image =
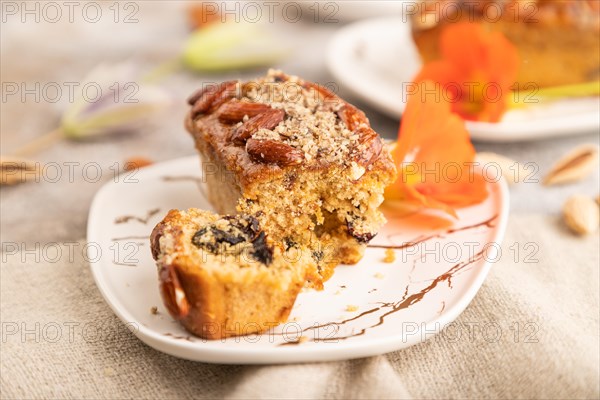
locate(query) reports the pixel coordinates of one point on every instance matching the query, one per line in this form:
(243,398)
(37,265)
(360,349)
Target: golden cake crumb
(302,339)
(378,275)
(390,256)
(351,308)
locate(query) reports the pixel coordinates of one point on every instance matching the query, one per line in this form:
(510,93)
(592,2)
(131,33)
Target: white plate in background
(424,289)
(328,11)
(375,59)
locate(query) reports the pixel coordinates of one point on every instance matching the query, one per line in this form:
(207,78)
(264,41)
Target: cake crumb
(302,339)
(153,310)
(351,308)
(108,371)
(390,256)
(378,275)
(338,292)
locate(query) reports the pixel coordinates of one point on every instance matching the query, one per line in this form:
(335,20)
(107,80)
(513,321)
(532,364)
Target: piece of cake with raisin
(221,276)
(300,159)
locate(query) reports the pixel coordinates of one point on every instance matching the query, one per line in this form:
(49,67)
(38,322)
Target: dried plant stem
(39,143)
(162,71)
(587,89)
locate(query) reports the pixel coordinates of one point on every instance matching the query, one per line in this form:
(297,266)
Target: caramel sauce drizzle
(117,239)
(421,239)
(198,181)
(182,178)
(144,220)
(405,302)
(188,337)
(409,300)
(124,264)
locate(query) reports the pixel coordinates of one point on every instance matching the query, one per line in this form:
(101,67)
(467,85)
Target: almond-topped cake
(302,161)
(222,276)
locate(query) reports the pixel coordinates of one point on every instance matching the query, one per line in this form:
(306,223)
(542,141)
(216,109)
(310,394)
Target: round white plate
(329,11)
(376,59)
(366,309)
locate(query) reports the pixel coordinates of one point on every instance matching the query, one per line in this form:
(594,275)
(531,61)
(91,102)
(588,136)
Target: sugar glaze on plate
(366,309)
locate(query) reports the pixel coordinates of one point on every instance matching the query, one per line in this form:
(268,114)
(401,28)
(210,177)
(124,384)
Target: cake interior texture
(302,161)
(222,276)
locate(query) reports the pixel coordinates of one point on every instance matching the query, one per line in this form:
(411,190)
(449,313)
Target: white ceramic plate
(333,11)
(428,285)
(376,59)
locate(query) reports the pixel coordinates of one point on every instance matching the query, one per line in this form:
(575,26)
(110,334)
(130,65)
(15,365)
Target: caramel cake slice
(302,161)
(557,40)
(221,276)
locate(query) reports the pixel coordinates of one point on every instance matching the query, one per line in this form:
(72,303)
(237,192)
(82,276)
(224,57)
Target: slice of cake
(302,161)
(557,40)
(222,276)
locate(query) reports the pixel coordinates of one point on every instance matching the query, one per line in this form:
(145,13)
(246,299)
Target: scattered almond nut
(574,166)
(136,163)
(17,170)
(199,16)
(581,214)
(511,170)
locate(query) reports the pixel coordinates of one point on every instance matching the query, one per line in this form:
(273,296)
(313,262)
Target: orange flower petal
(477,70)
(435,156)
(463,193)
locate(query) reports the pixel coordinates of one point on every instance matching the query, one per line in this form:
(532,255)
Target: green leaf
(230,46)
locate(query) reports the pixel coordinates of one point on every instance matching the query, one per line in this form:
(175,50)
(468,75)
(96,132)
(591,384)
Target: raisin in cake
(221,276)
(301,160)
(557,40)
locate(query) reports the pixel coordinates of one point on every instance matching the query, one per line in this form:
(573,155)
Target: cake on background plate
(557,40)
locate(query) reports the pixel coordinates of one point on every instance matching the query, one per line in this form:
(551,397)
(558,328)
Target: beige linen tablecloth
(61,340)
(553,299)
